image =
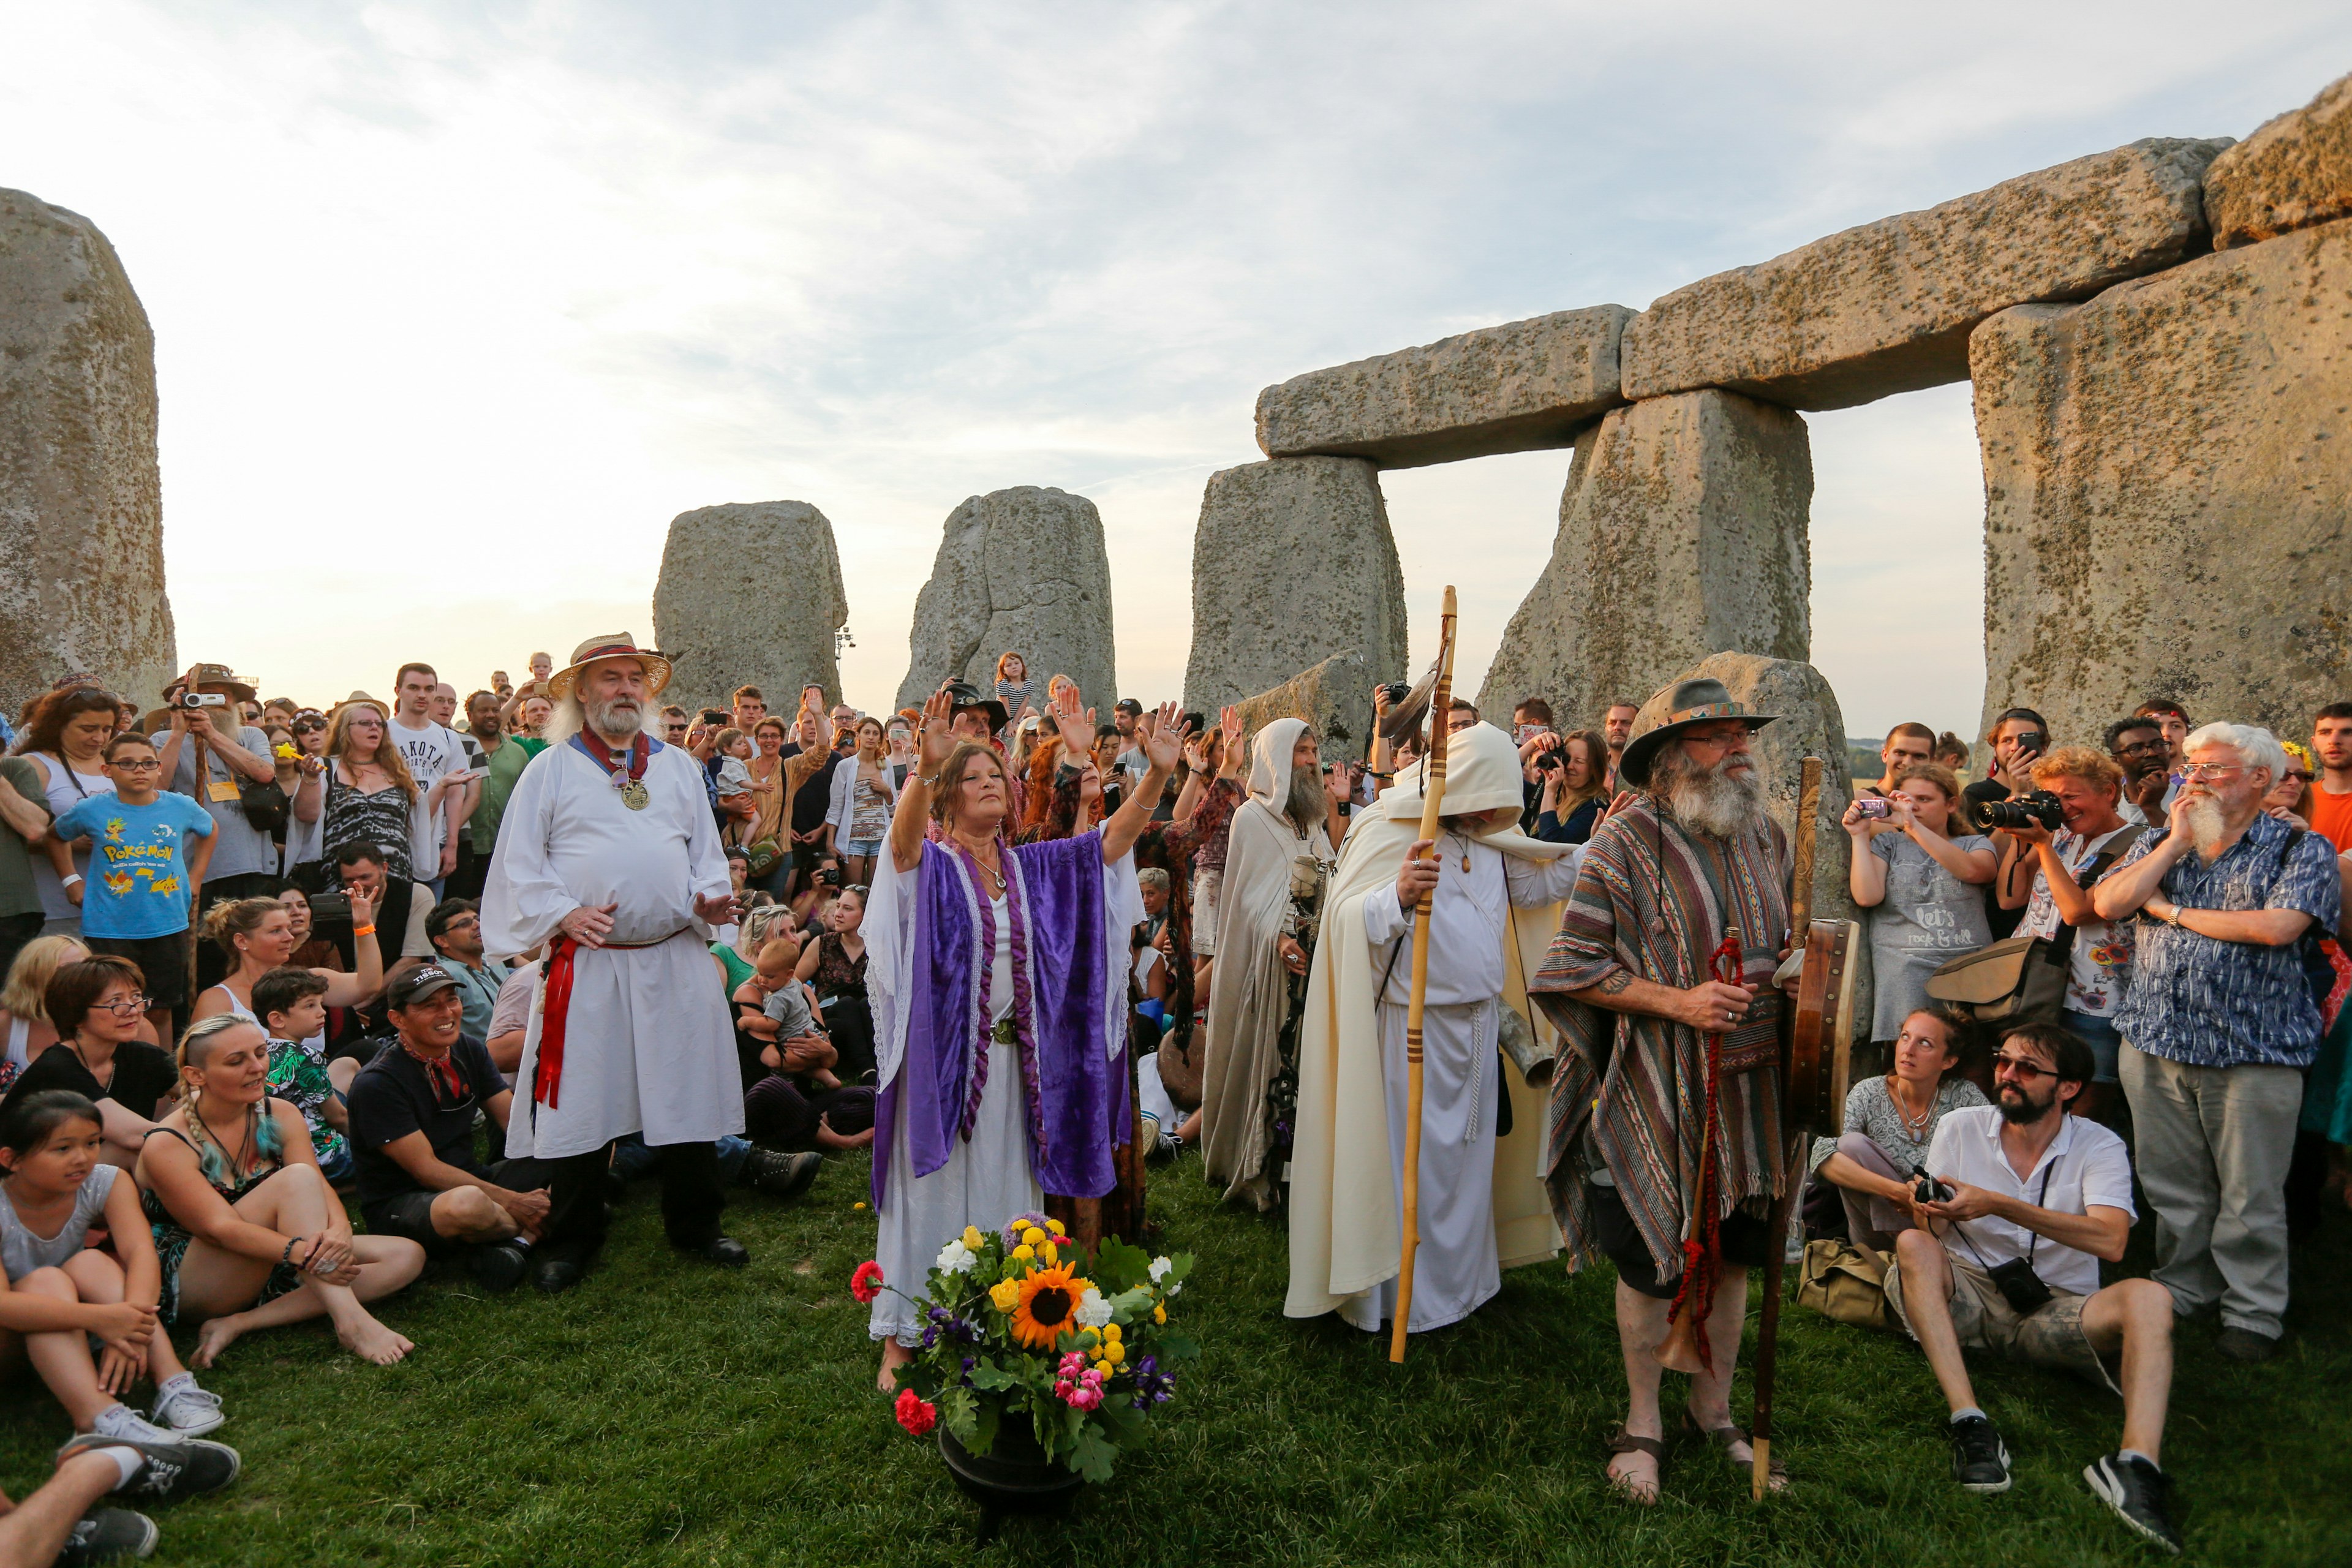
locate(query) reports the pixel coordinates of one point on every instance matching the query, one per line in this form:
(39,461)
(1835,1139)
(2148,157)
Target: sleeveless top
(836,974)
(23,1249)
(66,788)
(382,820)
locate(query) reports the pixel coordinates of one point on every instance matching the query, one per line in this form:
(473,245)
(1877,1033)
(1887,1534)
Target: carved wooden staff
(1441,705)
(1768,1331)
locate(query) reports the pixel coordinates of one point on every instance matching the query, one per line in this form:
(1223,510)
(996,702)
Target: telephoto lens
(2039,809)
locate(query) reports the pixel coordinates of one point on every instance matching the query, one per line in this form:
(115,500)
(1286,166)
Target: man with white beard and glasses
(1666,882)
(608,854)
(1267,914)
(2221,1022)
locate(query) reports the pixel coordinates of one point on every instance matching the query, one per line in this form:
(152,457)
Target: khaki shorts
(1205,885)
(2051,1335)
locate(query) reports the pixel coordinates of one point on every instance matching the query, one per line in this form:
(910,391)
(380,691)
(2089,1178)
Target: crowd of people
(269,966)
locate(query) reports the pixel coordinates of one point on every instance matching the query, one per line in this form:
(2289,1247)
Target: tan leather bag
(1844,1283)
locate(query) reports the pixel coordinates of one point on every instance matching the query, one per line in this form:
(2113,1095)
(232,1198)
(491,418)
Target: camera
(1395,691)
(2039,809)
(2020,1286)
(200,700)
(1925,1189)
(1549,762)
(1872,809)
(828,877)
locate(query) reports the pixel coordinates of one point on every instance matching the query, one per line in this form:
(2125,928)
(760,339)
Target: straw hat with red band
(612,645)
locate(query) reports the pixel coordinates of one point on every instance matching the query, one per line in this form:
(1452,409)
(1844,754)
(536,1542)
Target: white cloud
(461,304)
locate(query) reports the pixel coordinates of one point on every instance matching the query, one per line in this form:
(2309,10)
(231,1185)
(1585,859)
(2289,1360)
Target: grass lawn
(665,1412)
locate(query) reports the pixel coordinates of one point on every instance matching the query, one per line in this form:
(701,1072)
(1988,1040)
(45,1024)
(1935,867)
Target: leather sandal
(1624,1442)
(1724,1437)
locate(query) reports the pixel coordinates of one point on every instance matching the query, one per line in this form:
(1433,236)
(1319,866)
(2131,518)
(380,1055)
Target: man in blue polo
(2221,1022)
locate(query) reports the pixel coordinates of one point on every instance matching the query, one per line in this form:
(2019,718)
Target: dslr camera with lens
(2038,809)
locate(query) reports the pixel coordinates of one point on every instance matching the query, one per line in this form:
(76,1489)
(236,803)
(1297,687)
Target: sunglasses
(2024,1068)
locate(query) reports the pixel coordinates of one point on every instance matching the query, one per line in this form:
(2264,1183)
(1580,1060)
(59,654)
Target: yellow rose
(1005,1294)
(1033,1237)
(1158,1313)
(971,1237)
(1112,1334)
(1114,1352)
(1022,1254)
(1056,1227)
(1103,1367)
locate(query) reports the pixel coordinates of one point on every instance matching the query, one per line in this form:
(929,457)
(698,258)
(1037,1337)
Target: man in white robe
(1288,817)
(1481,1207)
(608,854)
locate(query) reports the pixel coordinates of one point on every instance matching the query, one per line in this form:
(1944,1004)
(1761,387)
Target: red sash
(555,1009)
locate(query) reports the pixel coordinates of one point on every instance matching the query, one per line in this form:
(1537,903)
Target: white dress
(649,1044)
(1457,1269)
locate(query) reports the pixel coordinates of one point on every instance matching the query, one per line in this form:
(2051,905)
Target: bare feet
(894,1356)
(371,1341)
(1635,1474)
(215,1336)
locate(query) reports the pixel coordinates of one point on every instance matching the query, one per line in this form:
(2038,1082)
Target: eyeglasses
(1733,741)
(137,765)
(126,1006)
(2024,1068)
(2211,770)
(2139,749)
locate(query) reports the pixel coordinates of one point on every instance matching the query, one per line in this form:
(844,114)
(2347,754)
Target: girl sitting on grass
(60,1294)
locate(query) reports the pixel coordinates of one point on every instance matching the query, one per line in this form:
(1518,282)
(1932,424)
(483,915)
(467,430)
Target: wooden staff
(1767,1332)
(1440,706)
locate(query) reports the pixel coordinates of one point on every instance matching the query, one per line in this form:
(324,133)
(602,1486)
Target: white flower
(955,1257)
(1093,1312)
(1160,1268)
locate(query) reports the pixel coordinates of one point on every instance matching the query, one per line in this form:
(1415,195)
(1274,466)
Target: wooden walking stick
(1441,705)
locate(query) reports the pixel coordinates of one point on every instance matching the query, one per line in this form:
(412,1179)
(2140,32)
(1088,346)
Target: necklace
(1914,1126)
(1465,848)
(993,873)
(74,1046)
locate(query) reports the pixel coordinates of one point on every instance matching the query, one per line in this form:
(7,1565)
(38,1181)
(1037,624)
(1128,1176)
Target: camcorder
(201,700)
(2039,808)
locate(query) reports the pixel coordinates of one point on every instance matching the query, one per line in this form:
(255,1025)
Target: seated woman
(259,935)
(835,965)
(24,1027)
(61,1294)
(1889,1122)
(248,1232)
(99,1007)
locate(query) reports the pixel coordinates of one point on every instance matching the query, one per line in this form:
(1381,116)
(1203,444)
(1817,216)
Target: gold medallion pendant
(634,795)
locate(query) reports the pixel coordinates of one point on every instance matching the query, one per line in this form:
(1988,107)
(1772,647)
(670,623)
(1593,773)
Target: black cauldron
(1014,1476)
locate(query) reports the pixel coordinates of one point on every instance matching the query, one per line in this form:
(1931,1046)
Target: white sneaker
(121,1421)
(189,1411)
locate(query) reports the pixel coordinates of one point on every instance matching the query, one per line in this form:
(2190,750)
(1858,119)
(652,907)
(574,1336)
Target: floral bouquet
(1020,1324)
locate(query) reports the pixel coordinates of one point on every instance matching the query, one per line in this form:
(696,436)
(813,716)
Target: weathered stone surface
(1334,697)
(1292,563)
(2167,492)
(1022,569)
(1682,532)
(2292,173)
(1520,387)
(81,509)
(1888,307)
(750,594)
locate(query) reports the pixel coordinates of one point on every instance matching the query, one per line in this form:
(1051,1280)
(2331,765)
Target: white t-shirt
(430,751)
(2086,1166)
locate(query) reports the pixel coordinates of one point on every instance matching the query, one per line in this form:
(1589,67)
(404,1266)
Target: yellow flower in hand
(971,1237)
(1022,1254)
(1056,1227)
(1158,1312)
(1033,1237)
(1112,1334)
(1005,1294)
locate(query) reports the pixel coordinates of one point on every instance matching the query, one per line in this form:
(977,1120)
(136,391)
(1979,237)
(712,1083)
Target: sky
(456,306)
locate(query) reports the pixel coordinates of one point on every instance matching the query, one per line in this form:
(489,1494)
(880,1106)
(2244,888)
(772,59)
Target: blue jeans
(2099,1034)
(632,1158)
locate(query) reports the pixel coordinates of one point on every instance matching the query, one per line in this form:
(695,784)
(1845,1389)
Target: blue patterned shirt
(2207,1003)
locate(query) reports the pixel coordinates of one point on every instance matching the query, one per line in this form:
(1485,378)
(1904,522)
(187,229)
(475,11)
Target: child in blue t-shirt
(142,869)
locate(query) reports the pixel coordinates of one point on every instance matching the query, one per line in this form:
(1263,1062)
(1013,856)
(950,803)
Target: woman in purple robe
(998,980)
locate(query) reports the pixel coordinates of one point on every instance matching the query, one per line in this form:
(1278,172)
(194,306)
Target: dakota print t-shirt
(138,883)
(430,752)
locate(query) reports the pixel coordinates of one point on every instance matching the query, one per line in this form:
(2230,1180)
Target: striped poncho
(1630,1089)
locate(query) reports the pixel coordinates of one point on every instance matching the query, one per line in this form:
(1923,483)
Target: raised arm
(915,800)
(1161,741)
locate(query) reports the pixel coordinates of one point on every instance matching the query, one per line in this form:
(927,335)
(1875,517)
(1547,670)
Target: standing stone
(2294,173)
(1683,530)
(1888,307)
(1022,569)
(750,594)
(1523,386)
(81,506)
(1292,563)
(1810,725)
(2168,484)
(1334,697)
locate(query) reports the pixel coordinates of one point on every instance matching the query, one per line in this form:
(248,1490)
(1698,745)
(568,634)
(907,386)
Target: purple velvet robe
(1077,1092)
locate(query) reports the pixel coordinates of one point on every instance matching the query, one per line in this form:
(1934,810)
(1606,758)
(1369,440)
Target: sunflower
(1048,1307)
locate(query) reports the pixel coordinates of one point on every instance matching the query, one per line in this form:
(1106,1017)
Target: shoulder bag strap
(2062,945)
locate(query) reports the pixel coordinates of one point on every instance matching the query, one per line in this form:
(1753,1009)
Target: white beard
(1713,801)
(619,719)
(2206,826)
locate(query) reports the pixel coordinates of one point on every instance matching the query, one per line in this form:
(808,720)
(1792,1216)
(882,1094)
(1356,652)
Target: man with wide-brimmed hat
(1666,1105)
(608,855)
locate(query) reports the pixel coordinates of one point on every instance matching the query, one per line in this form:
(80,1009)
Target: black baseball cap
(415,985)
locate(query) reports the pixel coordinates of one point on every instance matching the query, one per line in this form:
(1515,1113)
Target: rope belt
(555,1007)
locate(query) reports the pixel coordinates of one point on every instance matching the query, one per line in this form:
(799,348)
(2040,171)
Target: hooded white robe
(1482,1202)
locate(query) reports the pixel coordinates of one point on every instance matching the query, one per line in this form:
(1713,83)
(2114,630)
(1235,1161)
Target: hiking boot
(189,1411)
(103,1534)
(2139,1493)
(1979,1458)
(500,1266)
(173,1470)
(2245,1346)
(779,1175)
